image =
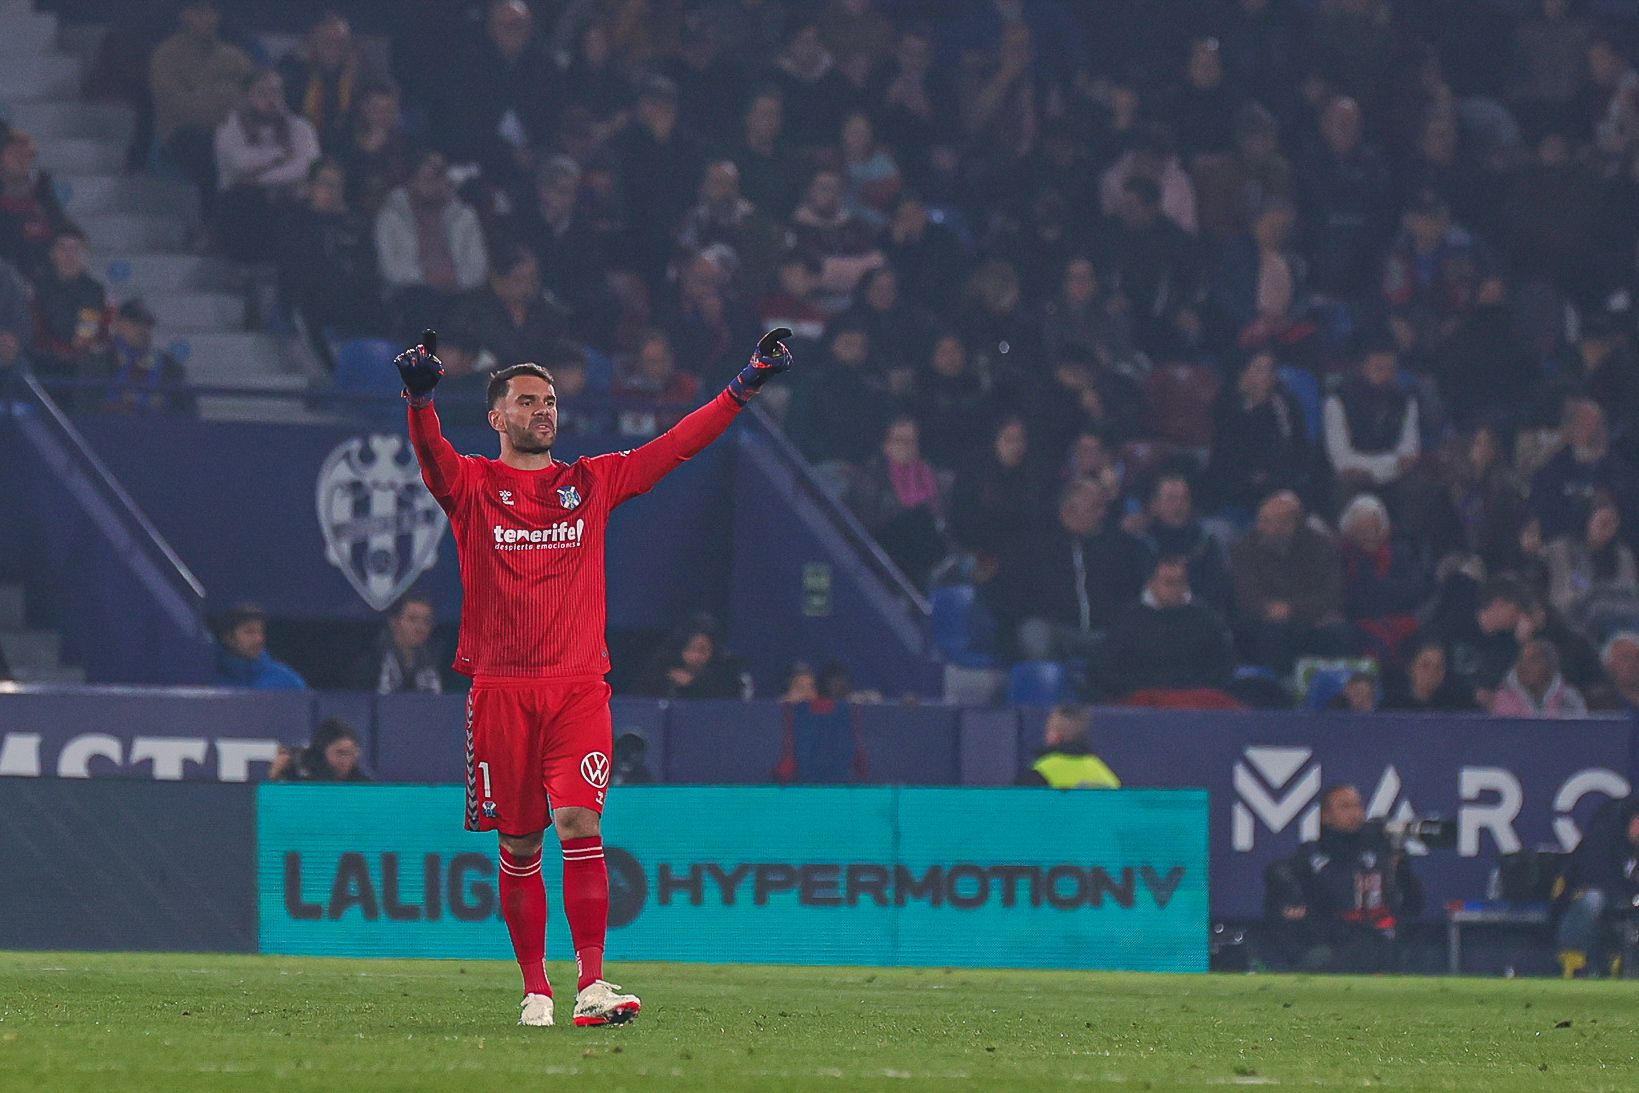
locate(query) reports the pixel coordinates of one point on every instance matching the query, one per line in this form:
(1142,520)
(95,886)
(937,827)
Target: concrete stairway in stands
(142,229)
(35,656)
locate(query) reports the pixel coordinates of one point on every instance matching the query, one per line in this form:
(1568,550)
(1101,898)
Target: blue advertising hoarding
(873,876)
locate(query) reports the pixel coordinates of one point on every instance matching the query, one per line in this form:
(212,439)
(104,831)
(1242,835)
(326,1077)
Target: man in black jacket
(1065,586)
(1340,902)
(1168,640)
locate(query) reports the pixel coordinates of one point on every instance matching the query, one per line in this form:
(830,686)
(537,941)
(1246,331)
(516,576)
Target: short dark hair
(237,615)
(499,379)
(407,599)
(1333,790)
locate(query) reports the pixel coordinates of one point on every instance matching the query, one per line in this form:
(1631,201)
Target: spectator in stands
(1260,291)
(929,258)
(801,683)
(263,155)
(1169,649)
(1260,442)
(723,218)
(242,657)
(705,320)
(375,151)
(840,409)
(1385,578)
(504,104)
(1232,187)
(1288,586)
(568,249)
(1066,760)
(1343,186)
(630,765)
(1620,658)
(901,500)
(597,83)
(16,316)
(817,97)
(950,403)
(653,375)
(327,262)
(324,78)
(1616,83)
(1484,640)
(429,246)
(900,333)
(1342,902)
(1593,581)
(196,79)
(1427,688)
(1603,878)
(1552,49)
(1535,688)
(133,376)
(998,494)
(1431,277)
(660,165)
(30,214)
(510,318)
(1481,508)
(825,227)
(1372,433)
(332,756)
(692,664)
(871,174)
(1068,582)
(1359,694)
(1561,490)
(1202,111)
(71,310)
(1154,261)
(1170,191)
(771,177)
(1169,527)
(1000,333)
(402,659)
(1083,314)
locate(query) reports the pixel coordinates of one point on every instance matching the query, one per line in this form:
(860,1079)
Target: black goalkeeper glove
(771,358)
(420,369)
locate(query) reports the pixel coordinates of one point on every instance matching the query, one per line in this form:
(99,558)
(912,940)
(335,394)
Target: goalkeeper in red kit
(529,534)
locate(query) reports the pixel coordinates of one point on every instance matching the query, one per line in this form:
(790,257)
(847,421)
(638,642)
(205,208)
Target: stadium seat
(1037,683)
(1181,398)
(961,628)
(365,366)
(1301,384)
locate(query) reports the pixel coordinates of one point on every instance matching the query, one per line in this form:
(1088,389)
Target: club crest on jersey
(568,496)
(506,497)
(595,769)
(380,525)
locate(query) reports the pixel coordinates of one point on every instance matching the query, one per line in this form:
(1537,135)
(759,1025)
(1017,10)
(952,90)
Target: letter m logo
(1270,790)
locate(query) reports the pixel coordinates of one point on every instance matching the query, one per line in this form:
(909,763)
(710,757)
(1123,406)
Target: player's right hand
(420,368)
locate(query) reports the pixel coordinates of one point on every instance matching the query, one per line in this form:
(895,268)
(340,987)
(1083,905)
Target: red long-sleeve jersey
(530,543)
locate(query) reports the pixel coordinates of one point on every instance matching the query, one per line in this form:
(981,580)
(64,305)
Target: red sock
(586,902)
(523,905)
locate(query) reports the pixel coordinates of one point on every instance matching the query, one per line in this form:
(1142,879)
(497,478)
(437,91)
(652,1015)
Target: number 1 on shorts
(485,768)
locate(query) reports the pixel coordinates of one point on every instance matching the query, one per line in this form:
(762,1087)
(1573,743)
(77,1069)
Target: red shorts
(535,745)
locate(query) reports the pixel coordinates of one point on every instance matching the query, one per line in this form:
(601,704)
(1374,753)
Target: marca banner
(871,876)
(1507,785)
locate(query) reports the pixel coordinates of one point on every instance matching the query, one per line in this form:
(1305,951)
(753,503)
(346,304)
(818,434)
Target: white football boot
(537,1010)
(601,1003)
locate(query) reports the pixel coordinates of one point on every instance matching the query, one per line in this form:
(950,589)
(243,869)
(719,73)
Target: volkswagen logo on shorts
(595,769)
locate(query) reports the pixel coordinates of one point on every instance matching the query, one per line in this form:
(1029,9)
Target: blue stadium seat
(365,366)
(1037,683)
(962,631)
(1302,385)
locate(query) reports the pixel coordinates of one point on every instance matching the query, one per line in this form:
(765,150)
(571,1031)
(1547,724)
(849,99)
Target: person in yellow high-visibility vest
(1066,760)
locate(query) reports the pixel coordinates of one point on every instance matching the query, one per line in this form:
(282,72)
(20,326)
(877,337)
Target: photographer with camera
(1339,903)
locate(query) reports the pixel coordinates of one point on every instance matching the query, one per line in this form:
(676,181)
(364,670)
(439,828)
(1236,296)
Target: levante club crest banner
(944,877)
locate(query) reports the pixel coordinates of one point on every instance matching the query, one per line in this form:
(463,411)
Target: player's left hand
(771,357)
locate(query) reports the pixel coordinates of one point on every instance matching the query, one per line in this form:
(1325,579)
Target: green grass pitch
(75,1021)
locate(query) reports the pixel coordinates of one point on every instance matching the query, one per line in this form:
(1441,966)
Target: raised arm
(441,465)
(635,472)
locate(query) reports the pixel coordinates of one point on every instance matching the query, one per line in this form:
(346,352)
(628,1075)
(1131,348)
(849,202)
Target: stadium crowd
(1200,346)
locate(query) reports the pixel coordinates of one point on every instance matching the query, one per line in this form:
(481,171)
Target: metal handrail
(861,539)
(174,566)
